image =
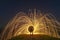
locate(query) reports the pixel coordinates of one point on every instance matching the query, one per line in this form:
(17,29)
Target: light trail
(42,23)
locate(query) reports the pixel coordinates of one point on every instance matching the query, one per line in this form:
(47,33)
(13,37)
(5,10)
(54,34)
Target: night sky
(9,9)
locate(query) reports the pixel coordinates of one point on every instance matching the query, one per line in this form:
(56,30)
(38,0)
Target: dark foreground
(34,37)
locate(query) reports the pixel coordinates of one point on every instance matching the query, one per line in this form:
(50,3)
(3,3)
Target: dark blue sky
(9,8)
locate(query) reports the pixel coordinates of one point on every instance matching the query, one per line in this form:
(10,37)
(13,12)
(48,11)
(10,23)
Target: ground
(34,37)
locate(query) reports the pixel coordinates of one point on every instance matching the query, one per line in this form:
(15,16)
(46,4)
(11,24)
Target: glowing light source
(34,22)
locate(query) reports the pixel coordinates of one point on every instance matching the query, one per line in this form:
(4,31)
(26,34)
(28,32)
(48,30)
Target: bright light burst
(45,24)
(36,22)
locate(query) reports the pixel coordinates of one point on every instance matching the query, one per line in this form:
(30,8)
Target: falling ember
(45,24)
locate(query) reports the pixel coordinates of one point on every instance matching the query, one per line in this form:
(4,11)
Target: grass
(34,37)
